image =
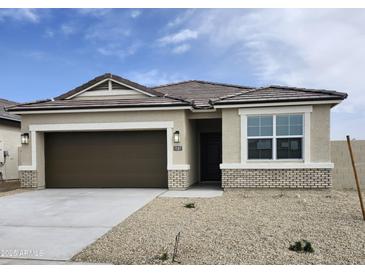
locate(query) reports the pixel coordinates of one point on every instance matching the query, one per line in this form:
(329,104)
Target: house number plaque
(177,148)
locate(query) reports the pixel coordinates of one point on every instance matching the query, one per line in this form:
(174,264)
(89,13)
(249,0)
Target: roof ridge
(203,82)
(172,84)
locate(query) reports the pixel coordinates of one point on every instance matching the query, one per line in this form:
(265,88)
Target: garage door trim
(168,125)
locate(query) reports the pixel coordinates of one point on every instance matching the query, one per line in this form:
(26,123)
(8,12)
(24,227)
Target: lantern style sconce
(24,138)
(177,137)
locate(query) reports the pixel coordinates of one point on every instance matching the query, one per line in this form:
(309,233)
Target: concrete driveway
(55,224)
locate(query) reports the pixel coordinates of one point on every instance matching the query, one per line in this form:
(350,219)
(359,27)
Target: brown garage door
(106,159)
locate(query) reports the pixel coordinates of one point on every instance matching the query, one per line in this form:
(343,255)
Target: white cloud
(135,13)
(308,48)
(181,18)
(36,55)
(49,33)
(181,48)
(68,29)
(119,51)
(181,36)
(29,15)
(154,77)
(94,12)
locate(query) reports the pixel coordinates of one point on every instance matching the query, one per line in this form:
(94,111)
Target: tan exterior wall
(231,136)
(191,148)
(10,136)
(177,116)
(320,133)
(342,175)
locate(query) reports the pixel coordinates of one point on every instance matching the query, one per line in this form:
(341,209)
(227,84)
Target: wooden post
(356,177)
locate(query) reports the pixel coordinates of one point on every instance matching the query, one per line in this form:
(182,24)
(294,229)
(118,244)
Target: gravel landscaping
(240,227)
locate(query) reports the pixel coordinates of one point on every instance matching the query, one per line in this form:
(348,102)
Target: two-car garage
(100,159)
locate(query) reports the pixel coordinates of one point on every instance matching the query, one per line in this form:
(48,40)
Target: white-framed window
(275,137)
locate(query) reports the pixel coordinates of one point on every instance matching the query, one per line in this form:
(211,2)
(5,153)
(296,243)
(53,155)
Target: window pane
(282,130)
(266,131)
(282,125)
(253,131)
(289,148)
(260,125)
(266,120)
(291,124)
(296,130)
(253,121)
(260,149)
(296,120)
(282,120)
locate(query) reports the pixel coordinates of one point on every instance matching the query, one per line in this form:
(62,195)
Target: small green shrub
(308,247)
(302,246)
(297,247)
(190,205)
(164,256)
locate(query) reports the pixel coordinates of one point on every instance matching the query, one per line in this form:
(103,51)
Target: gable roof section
(6,115)
(280,94)
(199,93)
(194,93)
(103,77)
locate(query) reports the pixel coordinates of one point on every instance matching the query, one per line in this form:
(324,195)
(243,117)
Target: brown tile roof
(195,93)
(6,115)
(198,92)
(94,104)
(280,94)
(108,76)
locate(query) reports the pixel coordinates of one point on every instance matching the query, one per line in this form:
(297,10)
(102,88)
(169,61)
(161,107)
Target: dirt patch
(240,227)
(9,185)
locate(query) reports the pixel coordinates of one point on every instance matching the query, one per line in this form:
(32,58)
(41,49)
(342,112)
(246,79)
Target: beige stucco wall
(10,136)
(320,133)
(342,175)
(187,124)
(191,149)
(177,116)
(231,136)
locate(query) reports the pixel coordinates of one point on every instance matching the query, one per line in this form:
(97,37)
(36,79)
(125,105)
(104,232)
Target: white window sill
(275,165)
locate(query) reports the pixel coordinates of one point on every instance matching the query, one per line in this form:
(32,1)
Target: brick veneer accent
(276,178)
(178,179)
(28,178)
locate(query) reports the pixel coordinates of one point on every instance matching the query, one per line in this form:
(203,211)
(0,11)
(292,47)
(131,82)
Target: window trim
(305,110)
(275,137)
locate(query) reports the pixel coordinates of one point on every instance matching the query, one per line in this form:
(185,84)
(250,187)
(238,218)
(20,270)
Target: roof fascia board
(324,102)
(99,110)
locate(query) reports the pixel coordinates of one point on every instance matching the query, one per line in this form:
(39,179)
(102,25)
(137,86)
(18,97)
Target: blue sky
(45,52)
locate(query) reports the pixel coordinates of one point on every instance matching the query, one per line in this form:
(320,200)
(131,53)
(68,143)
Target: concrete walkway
(55,224)
(196,191)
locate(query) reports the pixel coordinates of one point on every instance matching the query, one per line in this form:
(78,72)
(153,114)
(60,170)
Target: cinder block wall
(342,175)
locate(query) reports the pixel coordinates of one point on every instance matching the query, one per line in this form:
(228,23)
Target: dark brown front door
(210,156)
(106,159)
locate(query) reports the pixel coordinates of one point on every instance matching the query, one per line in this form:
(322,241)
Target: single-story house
(112,132)
(9,142)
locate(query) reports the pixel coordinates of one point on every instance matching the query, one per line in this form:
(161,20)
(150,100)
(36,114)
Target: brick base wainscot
(276,178)
(28,179)
(178,179)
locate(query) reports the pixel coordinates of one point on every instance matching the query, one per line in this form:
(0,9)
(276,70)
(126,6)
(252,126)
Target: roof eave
(24,109)
(238,102)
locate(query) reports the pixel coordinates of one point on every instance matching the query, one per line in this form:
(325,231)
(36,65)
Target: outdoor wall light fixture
(24,138)
(177,137)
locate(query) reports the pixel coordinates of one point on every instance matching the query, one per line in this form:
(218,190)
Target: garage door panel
(106,159)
